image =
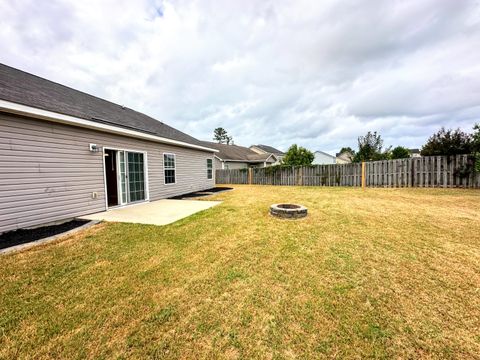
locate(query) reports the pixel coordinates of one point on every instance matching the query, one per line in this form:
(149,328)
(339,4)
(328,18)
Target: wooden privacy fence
(429,171)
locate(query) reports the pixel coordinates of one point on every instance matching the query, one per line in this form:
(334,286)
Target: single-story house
(415,153)
(65,153)
(344,157)
(266,149)
(239,157)
(322,158)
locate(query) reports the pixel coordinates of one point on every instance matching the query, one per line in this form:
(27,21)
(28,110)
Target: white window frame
(174,168)
(210,168)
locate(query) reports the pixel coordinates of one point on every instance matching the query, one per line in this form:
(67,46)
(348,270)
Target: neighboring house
(344,157)
(322,158)
(265,149)
(239,157)
(64,153)
(414,153)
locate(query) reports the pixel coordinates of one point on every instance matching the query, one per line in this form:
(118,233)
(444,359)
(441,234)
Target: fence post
(364,180)
(300,176)
(250,176)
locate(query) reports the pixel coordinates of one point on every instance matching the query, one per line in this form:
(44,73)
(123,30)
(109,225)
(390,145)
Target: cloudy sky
(315,73)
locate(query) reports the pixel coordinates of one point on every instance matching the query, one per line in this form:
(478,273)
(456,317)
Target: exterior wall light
(94,148)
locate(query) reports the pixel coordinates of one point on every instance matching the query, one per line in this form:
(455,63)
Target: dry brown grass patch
(376,273)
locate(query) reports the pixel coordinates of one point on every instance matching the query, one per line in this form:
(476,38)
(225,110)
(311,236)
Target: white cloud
(277,72)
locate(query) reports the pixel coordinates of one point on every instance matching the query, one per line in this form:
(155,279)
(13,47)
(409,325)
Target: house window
(209,169)
(169,168)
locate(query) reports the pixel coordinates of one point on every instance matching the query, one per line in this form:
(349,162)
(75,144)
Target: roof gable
(324,153)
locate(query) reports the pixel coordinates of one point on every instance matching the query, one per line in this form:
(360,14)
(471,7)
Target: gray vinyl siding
(47,172)
(218,164)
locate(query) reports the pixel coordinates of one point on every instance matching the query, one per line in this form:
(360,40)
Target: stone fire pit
(288,211)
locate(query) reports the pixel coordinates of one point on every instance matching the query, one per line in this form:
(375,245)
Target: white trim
(36,113)
(246,161)
(119,178)
(123,149)
(145,172)
(174,168)
(272,154)
(105,179)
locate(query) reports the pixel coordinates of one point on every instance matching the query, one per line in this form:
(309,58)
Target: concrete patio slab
(160,212)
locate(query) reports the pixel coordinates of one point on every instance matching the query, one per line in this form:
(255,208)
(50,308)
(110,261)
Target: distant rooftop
(235,152)
(269,149)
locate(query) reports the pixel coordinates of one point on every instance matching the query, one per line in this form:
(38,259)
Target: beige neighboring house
(266,149)
(344,157)
(239,157)
(415,153)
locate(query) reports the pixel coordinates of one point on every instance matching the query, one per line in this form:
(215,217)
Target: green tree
(476,146)
(476,138)
(350,153)
(400,152)
(370,148)
(297,156)
(220,135)
(449,142)
(347,149)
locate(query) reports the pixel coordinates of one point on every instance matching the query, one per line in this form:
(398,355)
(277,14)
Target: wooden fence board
(434,171)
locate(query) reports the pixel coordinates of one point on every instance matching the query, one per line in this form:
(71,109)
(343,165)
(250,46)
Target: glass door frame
(121,201)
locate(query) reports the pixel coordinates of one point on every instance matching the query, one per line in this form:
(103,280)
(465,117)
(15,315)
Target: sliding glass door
(131,177)
(122,177)
(136,177)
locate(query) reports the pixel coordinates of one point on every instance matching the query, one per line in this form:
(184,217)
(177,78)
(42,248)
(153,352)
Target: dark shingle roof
(269,149)
(27,89)
(235,152)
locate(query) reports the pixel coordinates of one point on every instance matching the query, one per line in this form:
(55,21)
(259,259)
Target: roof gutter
(19,109)
(244,161)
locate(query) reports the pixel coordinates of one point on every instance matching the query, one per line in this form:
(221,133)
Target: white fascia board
(245,161)
(272,155)
(36,113)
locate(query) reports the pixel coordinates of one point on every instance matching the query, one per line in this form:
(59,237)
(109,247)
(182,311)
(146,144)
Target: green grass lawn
(376,273)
